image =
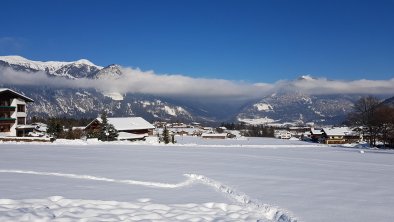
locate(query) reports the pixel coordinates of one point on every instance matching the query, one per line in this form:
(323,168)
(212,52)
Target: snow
(257,121)
(169,110)
(306,78)
(17,94)
(128,136)
(246,179)
(114,95)
(61,209)
(146,103)
(316,131)
(338,131)
(84,62)
(315,111)
(39,65)
(128,123)
(263,107)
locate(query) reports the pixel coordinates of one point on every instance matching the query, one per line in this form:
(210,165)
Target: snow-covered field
(195,180)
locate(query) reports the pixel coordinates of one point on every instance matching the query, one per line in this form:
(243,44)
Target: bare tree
(384,121)
(364,114)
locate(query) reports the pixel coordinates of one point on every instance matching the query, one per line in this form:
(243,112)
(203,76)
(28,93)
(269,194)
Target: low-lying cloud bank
(148,82)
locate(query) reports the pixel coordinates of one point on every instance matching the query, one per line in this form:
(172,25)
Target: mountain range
(286,105)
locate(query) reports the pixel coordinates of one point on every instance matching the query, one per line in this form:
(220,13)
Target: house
(129,128)
(306,136)
(282,134)
(316,134)
(339,135)
(298,131)
(13,114)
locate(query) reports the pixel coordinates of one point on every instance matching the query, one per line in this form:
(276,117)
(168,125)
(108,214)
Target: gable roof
(127,123)
(338,131)
(16,94)
(316,132)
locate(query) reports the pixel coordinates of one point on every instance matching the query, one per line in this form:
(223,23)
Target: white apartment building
(13,113)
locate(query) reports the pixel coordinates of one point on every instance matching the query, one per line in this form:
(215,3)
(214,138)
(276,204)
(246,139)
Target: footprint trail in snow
(269,212)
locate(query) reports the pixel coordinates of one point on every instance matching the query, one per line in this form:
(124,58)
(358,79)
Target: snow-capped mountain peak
(306,78)
(110,72)
(14,59)
(86,62)
(34,65)
(40,65)
(76,69)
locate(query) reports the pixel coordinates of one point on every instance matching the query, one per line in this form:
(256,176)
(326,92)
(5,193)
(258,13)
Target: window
(21,108)
(21,121)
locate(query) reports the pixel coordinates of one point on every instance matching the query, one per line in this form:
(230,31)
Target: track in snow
(269,212)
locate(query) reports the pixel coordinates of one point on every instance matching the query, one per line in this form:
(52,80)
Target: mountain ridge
(286,104)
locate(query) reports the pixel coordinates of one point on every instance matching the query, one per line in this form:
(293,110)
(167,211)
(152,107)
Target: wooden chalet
(339,135)
(128,127)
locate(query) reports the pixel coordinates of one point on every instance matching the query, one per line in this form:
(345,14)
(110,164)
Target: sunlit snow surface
(195,180)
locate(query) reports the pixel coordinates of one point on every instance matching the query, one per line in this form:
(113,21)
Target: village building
(13,114)
(306,136)
(178,125)
(339,135)
(129,128)
(298,131)
(316,134)
(282,134)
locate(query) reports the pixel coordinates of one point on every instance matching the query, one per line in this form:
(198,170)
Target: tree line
(63,127)
(66,128)
(251,130)
(374,119)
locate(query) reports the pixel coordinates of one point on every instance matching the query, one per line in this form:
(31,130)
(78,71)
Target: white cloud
(323,86)
(148,82)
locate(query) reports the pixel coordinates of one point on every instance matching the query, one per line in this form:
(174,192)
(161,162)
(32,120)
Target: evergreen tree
(107,131)
(112,133)
(166,135)
(54,128)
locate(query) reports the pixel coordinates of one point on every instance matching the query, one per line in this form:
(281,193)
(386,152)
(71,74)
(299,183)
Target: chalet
(13,114)
(306,136)
(338,135)
(316,134)
(129,128)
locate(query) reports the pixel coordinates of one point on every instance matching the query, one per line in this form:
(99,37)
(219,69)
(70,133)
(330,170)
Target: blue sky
(252,41)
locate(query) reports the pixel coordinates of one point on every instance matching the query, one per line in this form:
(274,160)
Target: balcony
(7,120)
(7,108)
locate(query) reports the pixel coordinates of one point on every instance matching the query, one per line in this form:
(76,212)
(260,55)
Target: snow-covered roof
(27,99)
(338,131)
(189,130)
(25,127)
(316,132)
(129,123)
